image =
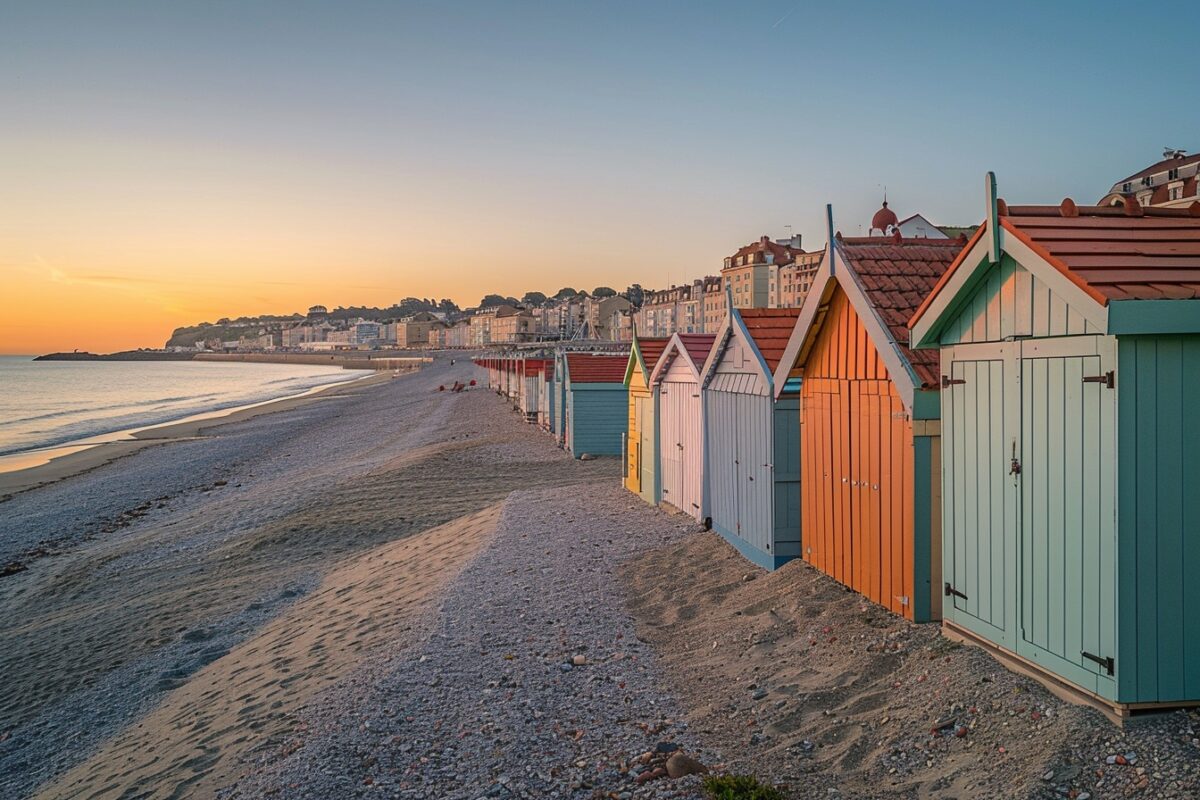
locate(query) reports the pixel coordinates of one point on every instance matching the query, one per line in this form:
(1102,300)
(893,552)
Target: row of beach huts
(995,435)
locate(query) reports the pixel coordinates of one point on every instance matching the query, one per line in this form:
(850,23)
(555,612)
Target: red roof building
(1170,183)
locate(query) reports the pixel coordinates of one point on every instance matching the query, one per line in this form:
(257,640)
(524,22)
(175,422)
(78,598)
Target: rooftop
(770,328)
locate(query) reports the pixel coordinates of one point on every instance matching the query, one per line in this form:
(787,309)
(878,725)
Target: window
(1173,174)
(1175,193)
(1126,187)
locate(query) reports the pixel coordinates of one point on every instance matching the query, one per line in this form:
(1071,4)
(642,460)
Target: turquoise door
(1067,525)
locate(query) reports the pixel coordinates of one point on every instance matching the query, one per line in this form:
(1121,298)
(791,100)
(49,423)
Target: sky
(163,164)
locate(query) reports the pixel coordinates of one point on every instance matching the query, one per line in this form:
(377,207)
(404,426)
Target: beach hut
(753,437)
(869,421)
(676,382)
(595,403)
(530,387)
(1070,359)
(641,439)
(546,390)
(558,404)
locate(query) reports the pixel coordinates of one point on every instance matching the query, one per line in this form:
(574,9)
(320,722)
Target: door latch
(1014,466)
(952,592)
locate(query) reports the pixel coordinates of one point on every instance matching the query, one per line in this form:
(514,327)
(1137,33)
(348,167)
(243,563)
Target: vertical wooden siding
(1159,519)
(596,418)
(681,433)
(1010,302)
(857,505)
(633,461)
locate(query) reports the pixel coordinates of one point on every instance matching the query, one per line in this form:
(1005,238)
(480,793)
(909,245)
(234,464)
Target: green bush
(739,787)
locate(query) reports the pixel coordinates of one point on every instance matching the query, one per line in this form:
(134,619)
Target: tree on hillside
(603,291)
(564,293)
(533,298)
(491,300)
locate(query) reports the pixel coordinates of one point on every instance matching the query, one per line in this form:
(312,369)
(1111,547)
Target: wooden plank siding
(859,502)
(1012,302)
(634,454)
(596,415)
(1158,555)
(681,439)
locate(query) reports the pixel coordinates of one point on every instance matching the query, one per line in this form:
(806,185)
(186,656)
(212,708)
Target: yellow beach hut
(641,440)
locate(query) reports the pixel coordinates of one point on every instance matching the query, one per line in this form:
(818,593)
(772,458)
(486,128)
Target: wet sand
(150,577)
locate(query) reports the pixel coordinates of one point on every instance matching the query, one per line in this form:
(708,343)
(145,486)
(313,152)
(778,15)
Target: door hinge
(1109,379)
(952,592)
(948,381)
(1106,662)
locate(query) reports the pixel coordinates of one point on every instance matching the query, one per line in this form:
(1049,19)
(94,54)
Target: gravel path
(489,705)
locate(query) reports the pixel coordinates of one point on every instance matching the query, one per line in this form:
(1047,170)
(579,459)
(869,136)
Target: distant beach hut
(558,405)
(869,448)
(529,386)
(1070,367)
(676,382)
(546,390)
(595,403)
(641,441)
(753,437)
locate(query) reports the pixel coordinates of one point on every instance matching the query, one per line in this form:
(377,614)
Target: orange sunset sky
(164,164)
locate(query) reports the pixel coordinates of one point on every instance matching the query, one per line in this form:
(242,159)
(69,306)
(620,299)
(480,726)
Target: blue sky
(528,145)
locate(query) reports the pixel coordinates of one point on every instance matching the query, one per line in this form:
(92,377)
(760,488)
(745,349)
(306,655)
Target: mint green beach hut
(1070,356)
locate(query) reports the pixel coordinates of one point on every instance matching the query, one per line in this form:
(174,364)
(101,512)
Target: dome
(883,218)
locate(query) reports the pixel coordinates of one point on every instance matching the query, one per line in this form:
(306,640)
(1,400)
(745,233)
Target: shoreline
(29,469)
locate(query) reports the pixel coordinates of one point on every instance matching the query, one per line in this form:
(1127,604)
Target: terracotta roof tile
(652,349)
(1115,256)
(697,345)
(896,277)
(593,368)
(770,328)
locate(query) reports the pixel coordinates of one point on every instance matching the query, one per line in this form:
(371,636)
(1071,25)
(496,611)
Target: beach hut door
(645,413)
(1067,459)
(981,499)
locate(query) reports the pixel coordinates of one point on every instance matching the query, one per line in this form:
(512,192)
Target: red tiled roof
(536,366)
(697,345)
(896,277)
(589,368)
(1161,166)
(782,253)
(652,349)
(770,328)
(1152,254)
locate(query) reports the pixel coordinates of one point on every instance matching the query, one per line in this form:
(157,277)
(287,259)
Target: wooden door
(670,447)
(645,446)
(1067,540)
(633,445)
(980,422)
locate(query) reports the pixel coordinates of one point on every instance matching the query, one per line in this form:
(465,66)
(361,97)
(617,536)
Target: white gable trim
(734,326)
(927,329)
(664,361)
(899,369)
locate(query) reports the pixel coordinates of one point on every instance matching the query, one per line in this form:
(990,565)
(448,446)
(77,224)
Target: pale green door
(980,493)
(1067,457)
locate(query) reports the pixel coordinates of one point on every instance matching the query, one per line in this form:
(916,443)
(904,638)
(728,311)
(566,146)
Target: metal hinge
(948,381)
(1106,662)
(1109,379)
(952,592)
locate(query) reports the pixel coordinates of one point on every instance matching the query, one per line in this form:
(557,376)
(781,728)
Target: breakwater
(383,360)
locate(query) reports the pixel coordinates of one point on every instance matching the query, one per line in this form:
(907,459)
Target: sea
(47,404)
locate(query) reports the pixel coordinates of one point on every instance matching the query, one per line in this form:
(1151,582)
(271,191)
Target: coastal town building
(510,325)
(1169,183)
(602,316)
(414,331)
(752,272)
(796,278)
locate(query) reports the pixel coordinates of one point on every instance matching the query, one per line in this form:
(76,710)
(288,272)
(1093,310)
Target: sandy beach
(390,591)
(144,571)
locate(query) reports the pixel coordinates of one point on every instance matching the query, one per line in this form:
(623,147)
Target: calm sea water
(45,403)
